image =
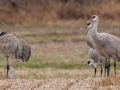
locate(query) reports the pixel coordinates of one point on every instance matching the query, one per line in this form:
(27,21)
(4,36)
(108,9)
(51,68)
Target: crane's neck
(94,28)
(89,38)
(94,65)
(95,34)
(89,32)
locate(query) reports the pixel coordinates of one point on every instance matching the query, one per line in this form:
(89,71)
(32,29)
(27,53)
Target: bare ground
(57,79)
(109,83)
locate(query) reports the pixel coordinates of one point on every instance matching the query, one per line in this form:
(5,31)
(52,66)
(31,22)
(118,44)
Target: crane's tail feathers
(26,51)
(23,51)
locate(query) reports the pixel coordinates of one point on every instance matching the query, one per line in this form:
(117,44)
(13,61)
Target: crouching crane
(94,59)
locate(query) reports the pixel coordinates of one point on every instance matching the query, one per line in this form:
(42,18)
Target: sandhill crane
(94,59)
(108,45)
(10,72)
(11,46)
(90,41)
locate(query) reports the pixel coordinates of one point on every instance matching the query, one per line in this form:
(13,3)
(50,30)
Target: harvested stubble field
(58,61)
(110,83)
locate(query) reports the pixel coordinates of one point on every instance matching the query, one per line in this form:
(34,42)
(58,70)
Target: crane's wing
(14,47)
(92,53)
(9,44)
(26,51)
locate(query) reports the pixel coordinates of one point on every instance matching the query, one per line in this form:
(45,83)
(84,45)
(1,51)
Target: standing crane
(108,45)
(91,43)
(11,46)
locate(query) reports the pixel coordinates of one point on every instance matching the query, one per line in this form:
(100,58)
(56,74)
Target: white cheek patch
(90,64)
(94,18)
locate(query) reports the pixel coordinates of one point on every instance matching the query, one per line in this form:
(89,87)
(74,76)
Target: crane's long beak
(83,27)
(89,21)
(4,24)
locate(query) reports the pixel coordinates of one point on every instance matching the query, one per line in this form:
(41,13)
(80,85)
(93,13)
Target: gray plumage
(93,54)
(108,45)
(89,39)
(11,46)
(10,72)
(94,59)
(26,52)
(91,43)
(105,42)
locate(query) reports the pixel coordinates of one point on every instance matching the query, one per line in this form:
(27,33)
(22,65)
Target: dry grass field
(59,59)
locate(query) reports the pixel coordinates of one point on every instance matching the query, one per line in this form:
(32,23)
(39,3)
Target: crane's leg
(105,69)
(115,66)
(7,66)
(109,67)
(101,69)
(95,72)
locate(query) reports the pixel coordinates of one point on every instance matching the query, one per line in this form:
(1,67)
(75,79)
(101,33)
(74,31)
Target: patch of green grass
(67,66)
(35,65)
(2,58)
(35,62)
(63,65)
(54,65)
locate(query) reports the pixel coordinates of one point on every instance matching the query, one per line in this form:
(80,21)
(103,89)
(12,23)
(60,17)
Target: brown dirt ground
(107,83)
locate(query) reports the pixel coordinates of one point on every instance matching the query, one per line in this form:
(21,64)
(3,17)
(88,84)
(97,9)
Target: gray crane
(10,72)
(11,46)
(108,45)
(90,41)
(94,59)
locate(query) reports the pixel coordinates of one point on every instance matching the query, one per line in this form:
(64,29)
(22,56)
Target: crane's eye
(88,62)
(88,24)
(93,17)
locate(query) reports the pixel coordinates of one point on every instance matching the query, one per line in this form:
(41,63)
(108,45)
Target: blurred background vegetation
(37,11)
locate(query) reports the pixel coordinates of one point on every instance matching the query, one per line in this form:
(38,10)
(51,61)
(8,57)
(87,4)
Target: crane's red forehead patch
(93,16)
(88,24)
(88,62)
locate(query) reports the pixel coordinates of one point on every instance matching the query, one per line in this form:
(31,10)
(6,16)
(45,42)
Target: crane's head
(90,62)
(11,69)
(94,18)
(10,72)
(89,25)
